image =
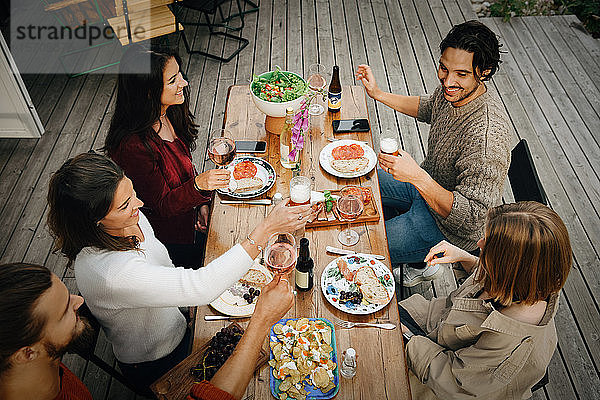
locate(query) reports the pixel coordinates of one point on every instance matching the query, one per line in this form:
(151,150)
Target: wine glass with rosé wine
(316,82)
(221,150)
(280,254)
(350,207)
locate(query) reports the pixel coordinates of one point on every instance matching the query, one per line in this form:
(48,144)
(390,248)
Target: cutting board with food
(201,364)
(326,214)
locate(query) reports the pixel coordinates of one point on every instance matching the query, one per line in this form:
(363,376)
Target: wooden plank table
(382,372)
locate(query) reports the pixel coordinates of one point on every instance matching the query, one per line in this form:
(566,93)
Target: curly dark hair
(476,38)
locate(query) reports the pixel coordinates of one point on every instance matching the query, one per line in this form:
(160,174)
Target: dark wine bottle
(335,91)
(304,268)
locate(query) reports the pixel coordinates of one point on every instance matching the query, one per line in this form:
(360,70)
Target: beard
(80,341)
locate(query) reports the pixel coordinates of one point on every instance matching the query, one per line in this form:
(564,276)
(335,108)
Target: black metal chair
(522,175)
(210,7)
(87,352)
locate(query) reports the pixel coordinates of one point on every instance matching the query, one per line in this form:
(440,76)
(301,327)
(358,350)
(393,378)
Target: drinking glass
(389,143)
(316,82)
(221,150)
(350,206)
(280,253)
(300,187)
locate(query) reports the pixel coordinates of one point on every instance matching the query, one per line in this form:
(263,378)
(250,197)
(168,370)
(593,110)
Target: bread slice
(370,286)
(248,184)
(255,277)
(352,165)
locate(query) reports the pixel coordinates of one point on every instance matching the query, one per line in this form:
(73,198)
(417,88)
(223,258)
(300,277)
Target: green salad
(278,86)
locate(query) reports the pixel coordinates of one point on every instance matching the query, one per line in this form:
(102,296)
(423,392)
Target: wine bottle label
(335,101)
(302,279)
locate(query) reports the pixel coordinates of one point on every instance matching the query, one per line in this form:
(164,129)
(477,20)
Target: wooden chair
(522,175)
(87,352)
(210,7)
(139,20)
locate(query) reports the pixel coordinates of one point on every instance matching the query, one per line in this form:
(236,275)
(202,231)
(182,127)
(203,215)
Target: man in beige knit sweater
(468,154)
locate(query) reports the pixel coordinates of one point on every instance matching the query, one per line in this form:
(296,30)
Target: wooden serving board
(369,214)
(177,383)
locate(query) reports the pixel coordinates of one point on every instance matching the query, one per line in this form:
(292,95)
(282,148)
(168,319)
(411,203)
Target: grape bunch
(352,297)
(221,346)
(251,295)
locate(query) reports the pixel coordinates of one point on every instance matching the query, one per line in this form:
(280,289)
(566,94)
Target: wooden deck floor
(549,83)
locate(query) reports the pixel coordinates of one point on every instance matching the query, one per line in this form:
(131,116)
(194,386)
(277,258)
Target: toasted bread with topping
(370,286)
(352,165)
(255,277)
(248,184)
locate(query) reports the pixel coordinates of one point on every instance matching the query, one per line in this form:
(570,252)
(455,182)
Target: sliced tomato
(245,169)
(348,152)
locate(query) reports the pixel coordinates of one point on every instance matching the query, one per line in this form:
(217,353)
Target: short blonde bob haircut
(527,253)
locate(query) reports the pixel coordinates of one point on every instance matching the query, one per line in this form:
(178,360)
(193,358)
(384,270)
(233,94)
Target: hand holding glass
(221,150)
(280,254)
(389,143)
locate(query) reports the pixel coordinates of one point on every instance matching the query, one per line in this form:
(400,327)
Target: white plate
(231,302)
(264,171)
(325,159)
(332,282)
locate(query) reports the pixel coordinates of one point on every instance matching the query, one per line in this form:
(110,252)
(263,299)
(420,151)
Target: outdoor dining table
(381,372)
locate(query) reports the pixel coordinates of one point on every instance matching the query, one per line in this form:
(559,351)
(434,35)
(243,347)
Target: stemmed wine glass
(280,253)
(221,150)
(350,206)
(316,82)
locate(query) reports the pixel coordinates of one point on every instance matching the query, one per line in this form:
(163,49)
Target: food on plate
(370,286)
(251,295)
(248,184)
(316,209)
(302,353)
(244,169)
(347,152)
(255,277)
(352,297)
(361,192)
(279,87)
(345,270)
(219,349)
(352,165)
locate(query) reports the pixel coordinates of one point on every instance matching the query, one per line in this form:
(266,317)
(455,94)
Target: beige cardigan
(473,351)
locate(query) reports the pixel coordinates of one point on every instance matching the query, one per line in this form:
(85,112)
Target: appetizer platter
(347,158)
(203,363)
(253,177)
(357,284)
(325,212)
(303,359)
(240,299)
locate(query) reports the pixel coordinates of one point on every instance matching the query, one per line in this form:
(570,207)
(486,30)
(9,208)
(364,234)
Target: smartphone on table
(250,146)
(350,125)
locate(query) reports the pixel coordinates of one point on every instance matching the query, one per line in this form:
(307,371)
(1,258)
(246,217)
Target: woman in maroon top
(151,136)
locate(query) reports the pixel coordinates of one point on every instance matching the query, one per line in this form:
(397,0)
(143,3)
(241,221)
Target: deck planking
(548,82)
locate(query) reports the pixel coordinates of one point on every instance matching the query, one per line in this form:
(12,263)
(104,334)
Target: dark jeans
(142,375)
(188,255)
(409,322)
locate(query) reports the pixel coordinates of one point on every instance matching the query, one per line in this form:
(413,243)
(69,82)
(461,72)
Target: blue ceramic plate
(313,392)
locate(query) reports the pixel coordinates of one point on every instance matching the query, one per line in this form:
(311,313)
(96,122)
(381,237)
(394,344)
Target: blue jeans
(410,227)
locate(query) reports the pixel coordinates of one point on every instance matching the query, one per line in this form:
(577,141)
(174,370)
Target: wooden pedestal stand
(274,125)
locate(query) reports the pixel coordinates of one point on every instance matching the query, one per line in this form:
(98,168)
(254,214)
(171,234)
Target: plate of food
(348,158)
(240,299)
(253,177)
(357,284)
(303,359)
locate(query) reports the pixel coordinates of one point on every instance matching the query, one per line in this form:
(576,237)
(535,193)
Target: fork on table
(349,324)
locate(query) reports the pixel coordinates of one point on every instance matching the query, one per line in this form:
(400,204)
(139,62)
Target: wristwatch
(408,335)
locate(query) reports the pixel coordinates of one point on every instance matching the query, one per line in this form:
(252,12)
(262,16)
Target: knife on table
(345,252)
(256,202)
(223,317)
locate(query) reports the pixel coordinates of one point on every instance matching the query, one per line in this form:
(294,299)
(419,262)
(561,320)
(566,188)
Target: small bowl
(276,109)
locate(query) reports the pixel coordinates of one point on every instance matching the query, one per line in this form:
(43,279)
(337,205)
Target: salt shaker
(348,368)
(277,197)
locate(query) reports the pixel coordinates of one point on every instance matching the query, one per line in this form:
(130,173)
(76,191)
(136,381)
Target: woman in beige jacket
(494,336)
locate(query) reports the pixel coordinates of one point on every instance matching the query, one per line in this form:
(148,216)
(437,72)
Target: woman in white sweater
(125,274)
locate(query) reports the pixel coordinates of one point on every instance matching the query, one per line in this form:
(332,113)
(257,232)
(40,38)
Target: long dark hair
(80,194)
(138,104)
(476,38)
(21,285)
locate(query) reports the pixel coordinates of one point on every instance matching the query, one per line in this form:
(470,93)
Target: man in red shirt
(38,324)
(230,381)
